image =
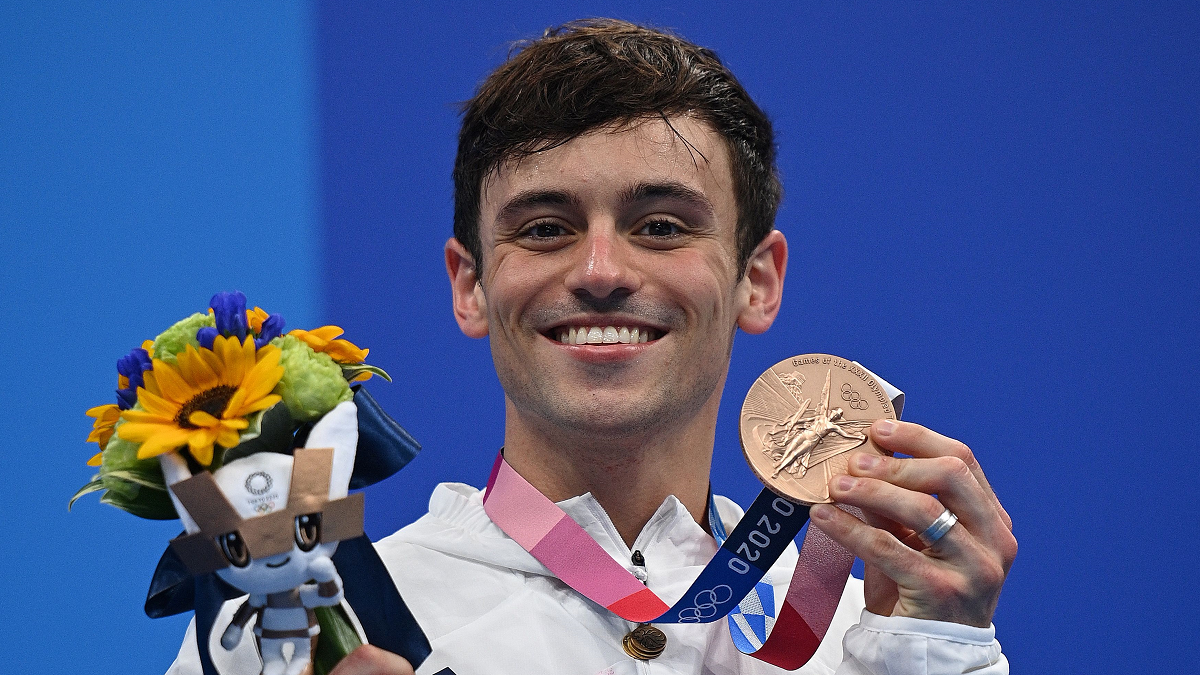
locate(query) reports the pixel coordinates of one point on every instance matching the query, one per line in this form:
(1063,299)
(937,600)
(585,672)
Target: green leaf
(352,370)
(94,485)
(150,504)
(149,479)
(275,432)
(119,486)
(336,639)
(121,454)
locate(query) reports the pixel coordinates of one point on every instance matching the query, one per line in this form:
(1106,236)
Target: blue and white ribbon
(751,622)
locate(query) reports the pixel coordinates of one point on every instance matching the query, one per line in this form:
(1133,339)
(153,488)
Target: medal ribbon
(558,542)
(751,622)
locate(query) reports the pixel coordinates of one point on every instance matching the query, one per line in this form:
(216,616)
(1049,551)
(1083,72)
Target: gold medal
(644,642)
(802,418)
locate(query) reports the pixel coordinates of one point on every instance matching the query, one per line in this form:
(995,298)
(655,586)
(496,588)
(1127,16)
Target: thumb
(371,660)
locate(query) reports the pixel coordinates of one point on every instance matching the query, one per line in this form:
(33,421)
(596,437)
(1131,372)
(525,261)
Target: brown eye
(308,531)
(545,230)
(234,549)
(660,228)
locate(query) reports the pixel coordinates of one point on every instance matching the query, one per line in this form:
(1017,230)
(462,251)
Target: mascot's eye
(234,549)
(308,531)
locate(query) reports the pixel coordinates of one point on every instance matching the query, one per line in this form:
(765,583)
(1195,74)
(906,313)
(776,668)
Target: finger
(913,510)
(874,546)
(918,441)
(904,534)
(371,660)
(948,477)
(879,592)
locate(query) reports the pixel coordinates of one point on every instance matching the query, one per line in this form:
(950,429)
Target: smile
(606,335)
(285,561)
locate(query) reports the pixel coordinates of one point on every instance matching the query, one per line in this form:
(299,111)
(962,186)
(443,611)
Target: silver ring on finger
(938,529)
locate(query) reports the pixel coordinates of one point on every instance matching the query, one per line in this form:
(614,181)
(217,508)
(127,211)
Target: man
(615,194)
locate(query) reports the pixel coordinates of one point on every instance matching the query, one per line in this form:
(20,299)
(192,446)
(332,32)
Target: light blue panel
(151,154)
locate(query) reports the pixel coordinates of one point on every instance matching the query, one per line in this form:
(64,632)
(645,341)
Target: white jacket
(487,606)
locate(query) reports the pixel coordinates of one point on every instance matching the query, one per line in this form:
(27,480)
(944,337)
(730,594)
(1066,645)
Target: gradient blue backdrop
(1020,183)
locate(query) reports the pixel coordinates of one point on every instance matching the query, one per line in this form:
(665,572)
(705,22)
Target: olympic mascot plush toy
(253,439)
(268,525)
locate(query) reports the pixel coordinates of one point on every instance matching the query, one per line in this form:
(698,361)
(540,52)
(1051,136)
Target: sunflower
(204,399)
(102,429)
(322,340)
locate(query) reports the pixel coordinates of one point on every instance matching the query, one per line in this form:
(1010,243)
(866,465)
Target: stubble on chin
(606,419)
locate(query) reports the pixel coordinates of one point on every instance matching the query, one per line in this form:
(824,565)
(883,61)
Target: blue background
(996,207)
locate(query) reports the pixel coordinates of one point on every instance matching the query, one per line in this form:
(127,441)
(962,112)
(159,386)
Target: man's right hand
(369,660)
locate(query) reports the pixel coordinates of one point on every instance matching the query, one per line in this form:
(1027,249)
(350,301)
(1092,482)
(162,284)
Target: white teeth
(607,335)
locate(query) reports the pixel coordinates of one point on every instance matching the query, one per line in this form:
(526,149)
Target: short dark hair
(587,74)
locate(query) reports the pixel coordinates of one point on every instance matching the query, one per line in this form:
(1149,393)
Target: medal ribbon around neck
(558,542)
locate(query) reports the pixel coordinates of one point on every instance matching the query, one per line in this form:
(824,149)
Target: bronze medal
(644,642)
(803,417)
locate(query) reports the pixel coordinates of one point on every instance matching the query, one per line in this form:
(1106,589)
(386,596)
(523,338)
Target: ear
(338,429)
(175,469)
(470,306)
(761,289)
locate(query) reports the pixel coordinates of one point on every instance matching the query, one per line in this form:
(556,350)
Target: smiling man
(614,227)
(628,228)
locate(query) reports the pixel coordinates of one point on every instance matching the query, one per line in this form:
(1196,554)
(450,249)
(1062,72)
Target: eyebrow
(534,198)
(668,190)
(635,193)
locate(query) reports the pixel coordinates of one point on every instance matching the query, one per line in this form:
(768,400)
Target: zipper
(639,571)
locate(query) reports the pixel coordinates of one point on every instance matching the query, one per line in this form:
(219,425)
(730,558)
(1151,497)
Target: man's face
(609,287)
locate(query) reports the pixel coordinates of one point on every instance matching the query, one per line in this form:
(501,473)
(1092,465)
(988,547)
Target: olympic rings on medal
(704,605)
(855,399)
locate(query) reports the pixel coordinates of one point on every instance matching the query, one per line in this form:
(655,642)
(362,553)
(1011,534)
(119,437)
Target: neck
(629,476)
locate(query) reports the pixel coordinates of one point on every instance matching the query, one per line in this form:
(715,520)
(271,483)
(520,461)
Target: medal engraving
(644,642)
(801,419)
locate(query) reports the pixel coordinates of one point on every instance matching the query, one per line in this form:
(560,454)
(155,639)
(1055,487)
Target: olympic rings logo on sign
(704,605)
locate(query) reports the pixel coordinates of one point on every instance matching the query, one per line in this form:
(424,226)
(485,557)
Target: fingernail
(846,482)
(867,461)
(885,427)
(822,512)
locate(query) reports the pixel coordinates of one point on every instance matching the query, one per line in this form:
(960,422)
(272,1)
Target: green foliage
(352,370)
(337,638)
(312,383)
(177,337)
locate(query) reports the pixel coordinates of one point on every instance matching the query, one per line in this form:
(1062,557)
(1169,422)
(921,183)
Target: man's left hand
(371,660)
(957,579)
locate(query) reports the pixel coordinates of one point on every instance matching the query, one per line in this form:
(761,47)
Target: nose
(603,268)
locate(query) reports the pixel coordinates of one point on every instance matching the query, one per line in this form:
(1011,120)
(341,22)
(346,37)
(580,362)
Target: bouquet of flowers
(252,437)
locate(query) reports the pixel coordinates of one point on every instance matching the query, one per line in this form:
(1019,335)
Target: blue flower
(271,328)
(229,309)
(233,320)
(130,368)
(206,336)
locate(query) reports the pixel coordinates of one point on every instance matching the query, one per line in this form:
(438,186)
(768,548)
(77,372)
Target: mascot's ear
(338,429)
(175,469)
